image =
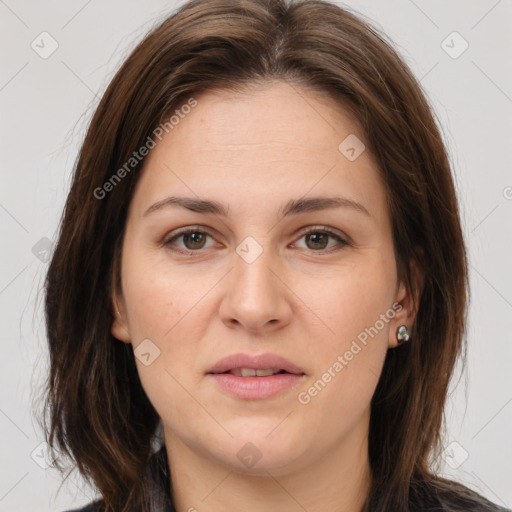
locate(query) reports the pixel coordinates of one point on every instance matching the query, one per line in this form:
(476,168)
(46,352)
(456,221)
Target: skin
(304,298)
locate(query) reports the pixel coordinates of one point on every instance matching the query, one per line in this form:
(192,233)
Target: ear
(119,327)
(407,302)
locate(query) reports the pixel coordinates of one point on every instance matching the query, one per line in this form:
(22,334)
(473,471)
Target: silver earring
(117,311)
(402,334)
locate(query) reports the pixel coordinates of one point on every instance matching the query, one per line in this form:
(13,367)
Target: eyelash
(313,229)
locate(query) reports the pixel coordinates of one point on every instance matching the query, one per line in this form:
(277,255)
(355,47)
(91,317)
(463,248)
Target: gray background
(46,104)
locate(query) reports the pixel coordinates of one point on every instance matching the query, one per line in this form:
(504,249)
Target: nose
(256,297)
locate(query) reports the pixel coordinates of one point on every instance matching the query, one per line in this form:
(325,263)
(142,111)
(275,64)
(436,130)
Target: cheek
(162,307)
(354,301)
(155,297)
(358,309)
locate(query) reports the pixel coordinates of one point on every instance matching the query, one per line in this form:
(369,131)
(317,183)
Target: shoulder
(470,501)
(449,496)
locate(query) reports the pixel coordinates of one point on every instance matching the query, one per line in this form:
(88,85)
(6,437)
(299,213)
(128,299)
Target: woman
(259,290)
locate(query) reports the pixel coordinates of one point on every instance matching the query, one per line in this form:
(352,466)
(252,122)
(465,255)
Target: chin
(253,451)
(262,461)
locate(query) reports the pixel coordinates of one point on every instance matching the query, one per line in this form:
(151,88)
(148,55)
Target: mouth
(261,365)
(254,372)
(255,377)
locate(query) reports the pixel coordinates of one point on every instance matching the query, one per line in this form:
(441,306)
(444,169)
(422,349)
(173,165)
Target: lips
(234,363)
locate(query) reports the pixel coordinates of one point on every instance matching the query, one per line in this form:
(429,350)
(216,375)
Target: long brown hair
(99,414)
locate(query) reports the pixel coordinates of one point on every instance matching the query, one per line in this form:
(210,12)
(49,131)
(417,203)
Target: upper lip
(261,362)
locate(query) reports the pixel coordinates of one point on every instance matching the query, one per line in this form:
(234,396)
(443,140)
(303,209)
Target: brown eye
(317,240)
(193,240)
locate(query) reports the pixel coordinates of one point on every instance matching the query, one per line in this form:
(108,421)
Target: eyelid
(342,239)
(184,231)
(324,229)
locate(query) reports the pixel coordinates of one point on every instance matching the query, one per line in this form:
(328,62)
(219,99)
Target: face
(315,284)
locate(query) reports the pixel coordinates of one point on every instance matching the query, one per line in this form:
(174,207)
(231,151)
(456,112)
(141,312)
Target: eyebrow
(293,207)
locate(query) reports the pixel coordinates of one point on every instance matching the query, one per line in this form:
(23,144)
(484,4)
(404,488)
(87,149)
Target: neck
(338,480)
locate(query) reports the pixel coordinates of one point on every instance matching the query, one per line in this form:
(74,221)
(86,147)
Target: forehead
(267,114)
(269,142)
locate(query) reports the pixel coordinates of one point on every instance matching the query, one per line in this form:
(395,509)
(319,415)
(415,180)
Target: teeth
(251,372)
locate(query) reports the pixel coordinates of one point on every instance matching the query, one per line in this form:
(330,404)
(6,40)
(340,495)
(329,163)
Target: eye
(318,239)
(193,238)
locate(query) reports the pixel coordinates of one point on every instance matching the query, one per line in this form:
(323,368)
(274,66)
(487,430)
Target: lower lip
(256,388)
